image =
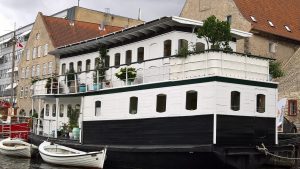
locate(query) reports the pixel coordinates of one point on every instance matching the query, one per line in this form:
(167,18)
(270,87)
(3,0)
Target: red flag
(19,44)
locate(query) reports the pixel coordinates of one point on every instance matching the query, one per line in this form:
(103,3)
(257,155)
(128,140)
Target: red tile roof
(280,12)
(64,32)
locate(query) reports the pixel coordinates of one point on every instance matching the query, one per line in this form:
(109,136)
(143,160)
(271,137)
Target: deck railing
(209,63)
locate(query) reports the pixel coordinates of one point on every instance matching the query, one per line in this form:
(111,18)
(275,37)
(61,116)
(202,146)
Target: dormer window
(287,28)
(271,24)
(253,18)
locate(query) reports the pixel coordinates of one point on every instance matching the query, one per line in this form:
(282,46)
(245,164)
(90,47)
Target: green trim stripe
(173,83)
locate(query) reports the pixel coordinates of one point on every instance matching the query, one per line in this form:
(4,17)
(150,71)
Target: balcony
(196,65)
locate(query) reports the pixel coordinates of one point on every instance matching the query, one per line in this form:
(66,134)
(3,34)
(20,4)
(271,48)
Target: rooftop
(63,31)
(278,17)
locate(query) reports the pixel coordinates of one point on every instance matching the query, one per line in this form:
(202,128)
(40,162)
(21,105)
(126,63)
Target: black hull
(185,130)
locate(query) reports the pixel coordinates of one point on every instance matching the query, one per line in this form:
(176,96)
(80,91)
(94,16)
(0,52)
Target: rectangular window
(23,73)
(128,57)
(26,92)
(272,47)
(161,101)
(97,108)
(27,72)
(50,68)
(28,54)
(117,59)
(63,69)
(45,69)
(22,92)
(292,108)
(235,100)
(39,52)
(38,70)
(46,50)
(33,71)
(229,19)
(133,105)
(260,103)
(140,54)
(191,100)
(34,53)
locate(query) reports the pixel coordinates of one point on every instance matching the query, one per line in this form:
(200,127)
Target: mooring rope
(264,150)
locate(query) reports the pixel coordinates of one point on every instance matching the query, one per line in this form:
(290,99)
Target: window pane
(69,110)
(133,105)
(117,59)
(128,57)
(260,103)
(167,48)
(292,107)
(191,100)
(79,66)
(63,68)
(182,43)
(71,66)
(97,108)
(140,54)
(61,110)
(47,109)
(88,65)
(235,101)
(200,47)
(106,61)
(161,101)
(54,110)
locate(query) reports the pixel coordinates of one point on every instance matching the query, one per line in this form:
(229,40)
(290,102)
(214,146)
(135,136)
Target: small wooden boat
(16,147)
(61,155)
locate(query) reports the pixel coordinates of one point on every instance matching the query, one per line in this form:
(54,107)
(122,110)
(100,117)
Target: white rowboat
(61,155)
(16,147)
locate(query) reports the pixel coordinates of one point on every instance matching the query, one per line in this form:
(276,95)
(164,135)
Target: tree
(275,69)
(215,32)
(100,64)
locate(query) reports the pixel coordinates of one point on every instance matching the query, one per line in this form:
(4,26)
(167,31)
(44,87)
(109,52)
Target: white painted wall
(213,97)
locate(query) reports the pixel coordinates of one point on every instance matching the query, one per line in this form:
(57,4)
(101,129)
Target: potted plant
(73,122)
(99,74)
(128,72)
(82,87)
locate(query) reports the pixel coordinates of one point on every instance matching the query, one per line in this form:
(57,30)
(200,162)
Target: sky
(23,12)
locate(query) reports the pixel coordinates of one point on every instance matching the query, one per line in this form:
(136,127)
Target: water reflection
(7,162)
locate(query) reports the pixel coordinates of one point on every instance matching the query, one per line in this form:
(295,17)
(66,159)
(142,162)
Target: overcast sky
(23,12)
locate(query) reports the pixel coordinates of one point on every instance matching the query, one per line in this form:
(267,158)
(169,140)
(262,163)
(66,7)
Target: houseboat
(155,106)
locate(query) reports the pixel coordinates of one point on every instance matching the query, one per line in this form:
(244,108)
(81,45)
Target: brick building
(49,33)
(276,33)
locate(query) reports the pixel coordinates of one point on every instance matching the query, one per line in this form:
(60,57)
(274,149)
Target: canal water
(24,163)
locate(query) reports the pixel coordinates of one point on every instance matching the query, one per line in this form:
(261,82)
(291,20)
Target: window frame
(98,102)
(259,107)
(161,103)
(128,57)
(117,59)
(133,105)
(295,109)
(167,48)
(61,110)
(189,105)
(235,105)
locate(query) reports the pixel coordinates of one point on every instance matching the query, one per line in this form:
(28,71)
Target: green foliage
(100,64)
(131,73)
(35,79)
(275,69)
(73,117)
(35,114)
(70,76)
(48,84)
(215,32)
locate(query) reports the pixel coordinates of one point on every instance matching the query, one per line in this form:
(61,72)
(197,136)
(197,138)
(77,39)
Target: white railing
(205,64)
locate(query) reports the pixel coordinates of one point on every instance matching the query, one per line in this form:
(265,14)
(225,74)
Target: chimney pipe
(140,14)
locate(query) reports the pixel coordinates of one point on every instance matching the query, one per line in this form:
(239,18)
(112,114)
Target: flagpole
(13,67)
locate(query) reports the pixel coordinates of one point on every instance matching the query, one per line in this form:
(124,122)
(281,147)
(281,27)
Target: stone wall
(88,15)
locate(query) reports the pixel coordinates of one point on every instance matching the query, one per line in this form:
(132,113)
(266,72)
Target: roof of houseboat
(139,32)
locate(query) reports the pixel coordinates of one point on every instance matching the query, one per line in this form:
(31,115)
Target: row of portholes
(61,110)
(161,103)
(190,104)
